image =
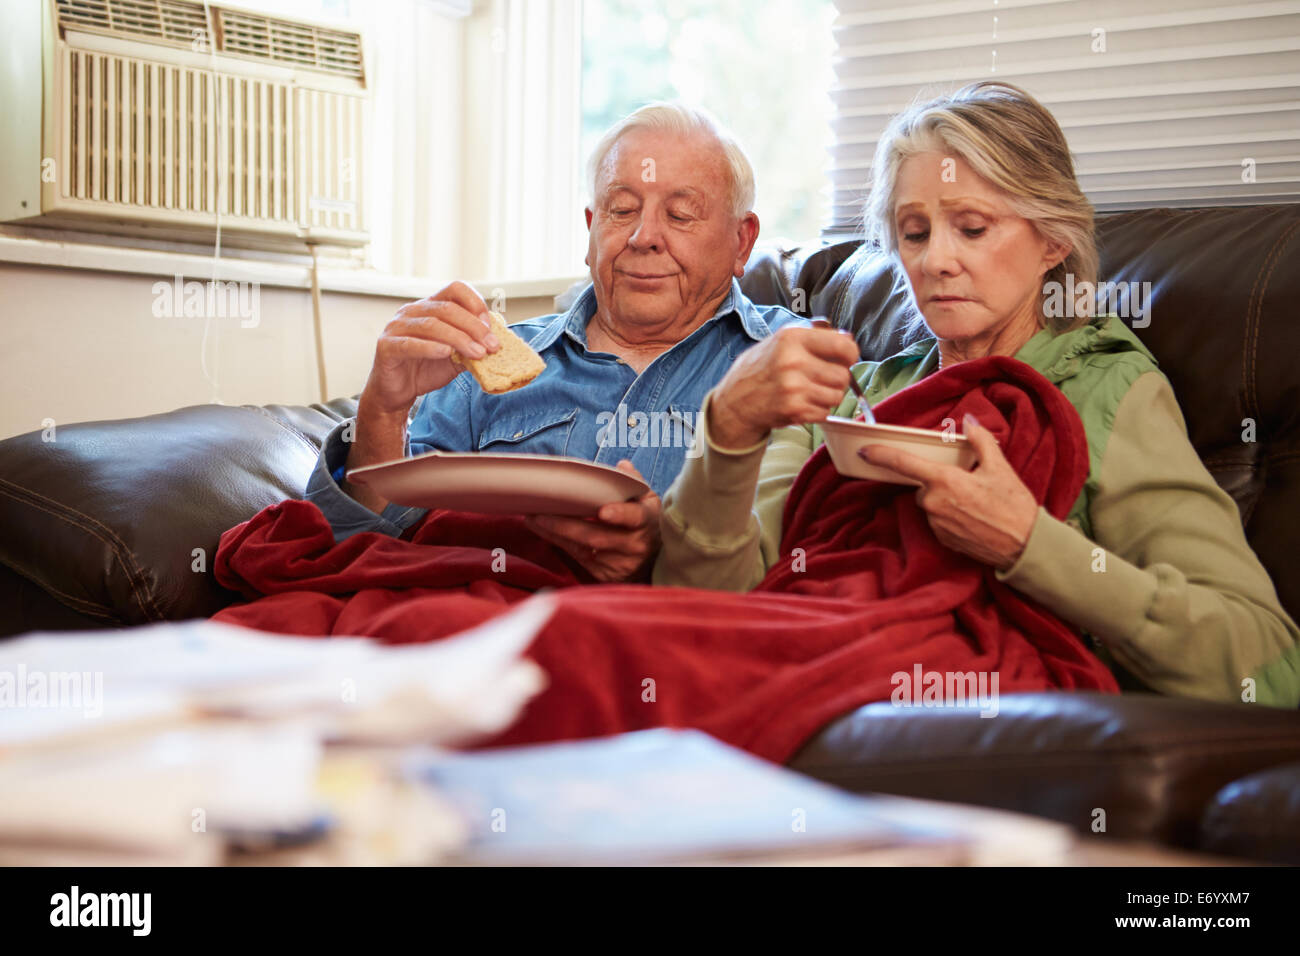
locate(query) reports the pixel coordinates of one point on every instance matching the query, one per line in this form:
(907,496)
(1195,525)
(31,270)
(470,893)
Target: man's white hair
(683,120)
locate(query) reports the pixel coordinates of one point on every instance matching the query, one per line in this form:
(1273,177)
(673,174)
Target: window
(763,69)
(1190,104)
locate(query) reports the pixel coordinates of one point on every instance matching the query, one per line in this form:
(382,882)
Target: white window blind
(1164,102)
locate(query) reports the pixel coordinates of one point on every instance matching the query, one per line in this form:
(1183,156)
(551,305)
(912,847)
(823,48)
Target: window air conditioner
(162,116)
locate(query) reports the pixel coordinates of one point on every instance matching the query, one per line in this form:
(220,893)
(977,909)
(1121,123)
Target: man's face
(663,241)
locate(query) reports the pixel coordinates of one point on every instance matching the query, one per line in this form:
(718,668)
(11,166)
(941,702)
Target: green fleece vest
(1093,366)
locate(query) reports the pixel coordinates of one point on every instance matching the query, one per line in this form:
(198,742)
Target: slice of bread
(512,366)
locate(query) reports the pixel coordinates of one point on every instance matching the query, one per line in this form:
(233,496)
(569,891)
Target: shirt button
(517,435)
(621,362)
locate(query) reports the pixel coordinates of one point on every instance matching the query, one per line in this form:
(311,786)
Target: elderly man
(671,228)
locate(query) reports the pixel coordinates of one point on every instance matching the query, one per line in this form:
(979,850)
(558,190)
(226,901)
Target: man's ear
(747,233)
(586,259)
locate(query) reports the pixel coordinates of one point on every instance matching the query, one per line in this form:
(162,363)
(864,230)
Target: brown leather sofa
(115,523)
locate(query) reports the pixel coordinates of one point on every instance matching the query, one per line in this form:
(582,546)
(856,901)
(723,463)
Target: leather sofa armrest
(119,520)
(1150,763)
(1256,818)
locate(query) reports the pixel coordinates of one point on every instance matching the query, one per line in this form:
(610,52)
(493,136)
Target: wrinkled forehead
(674,161)
(932,180)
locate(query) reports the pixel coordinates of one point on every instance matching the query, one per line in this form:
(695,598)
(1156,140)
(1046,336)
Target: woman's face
(976,267)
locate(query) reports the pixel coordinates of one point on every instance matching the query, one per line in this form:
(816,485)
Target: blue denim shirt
(586,404)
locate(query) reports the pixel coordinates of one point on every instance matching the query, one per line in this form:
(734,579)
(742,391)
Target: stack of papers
(167,743)
(670,796)
(662,797)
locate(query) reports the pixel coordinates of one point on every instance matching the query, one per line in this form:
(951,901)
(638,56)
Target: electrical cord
(219,106)
(316,322)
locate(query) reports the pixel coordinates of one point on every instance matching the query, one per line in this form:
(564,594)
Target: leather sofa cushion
(1150,763)
(108,516)
(30,607)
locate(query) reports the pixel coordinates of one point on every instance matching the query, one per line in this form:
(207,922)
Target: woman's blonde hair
(1010,139)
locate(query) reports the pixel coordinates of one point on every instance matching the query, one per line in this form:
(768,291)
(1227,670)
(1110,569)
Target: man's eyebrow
(697,199)
(686,192)
(690,193)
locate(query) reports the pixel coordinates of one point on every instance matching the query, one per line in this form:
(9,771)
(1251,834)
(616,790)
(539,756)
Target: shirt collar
(751,320)
(573,323)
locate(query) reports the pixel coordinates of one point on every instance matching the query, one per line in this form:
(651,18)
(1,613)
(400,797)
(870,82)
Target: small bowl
(845,436)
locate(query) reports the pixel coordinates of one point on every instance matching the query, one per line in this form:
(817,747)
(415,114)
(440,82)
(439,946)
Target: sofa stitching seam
(1271,261)
(848,281)
(1254,310)
(123,554)
(289,428)
(81,605)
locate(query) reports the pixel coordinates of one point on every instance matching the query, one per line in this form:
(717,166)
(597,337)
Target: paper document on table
(661,796)
(61,685)
(165,796)
(163,743)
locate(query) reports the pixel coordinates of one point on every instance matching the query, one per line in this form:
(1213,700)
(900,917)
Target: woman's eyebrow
(976,204)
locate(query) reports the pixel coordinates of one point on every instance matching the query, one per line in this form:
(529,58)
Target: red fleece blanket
(873,597)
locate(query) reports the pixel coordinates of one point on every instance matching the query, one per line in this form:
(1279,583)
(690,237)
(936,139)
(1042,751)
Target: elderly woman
(976,196)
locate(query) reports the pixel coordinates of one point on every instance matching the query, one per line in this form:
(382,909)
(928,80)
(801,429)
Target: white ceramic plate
(499,484)
(844,437)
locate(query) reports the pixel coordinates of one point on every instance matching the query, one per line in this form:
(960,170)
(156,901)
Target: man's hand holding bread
(426,345)
(414,353)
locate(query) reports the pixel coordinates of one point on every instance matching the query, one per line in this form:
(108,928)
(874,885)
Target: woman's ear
(1055,254)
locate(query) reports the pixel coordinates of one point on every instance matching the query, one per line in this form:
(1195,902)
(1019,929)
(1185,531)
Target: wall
(79,345)
(80,342)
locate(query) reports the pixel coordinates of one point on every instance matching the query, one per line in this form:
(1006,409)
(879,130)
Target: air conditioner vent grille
(284,41)
(179,20)
(171,143)
(251,35)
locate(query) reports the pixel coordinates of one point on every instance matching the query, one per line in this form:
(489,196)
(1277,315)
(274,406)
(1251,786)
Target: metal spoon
(864,408)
